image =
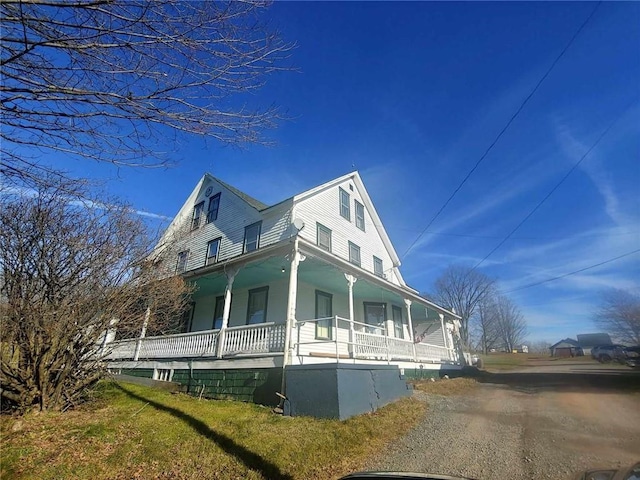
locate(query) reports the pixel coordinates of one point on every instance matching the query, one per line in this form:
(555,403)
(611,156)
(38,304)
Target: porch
(348,342)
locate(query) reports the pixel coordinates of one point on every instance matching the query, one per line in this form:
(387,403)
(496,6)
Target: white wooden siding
(234,214)
(324,208)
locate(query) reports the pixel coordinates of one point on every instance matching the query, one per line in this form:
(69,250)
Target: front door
(375,314)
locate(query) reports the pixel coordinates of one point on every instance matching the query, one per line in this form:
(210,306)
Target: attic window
(345,207)
(351,187)
(359,215)
(197,214)
(214,205)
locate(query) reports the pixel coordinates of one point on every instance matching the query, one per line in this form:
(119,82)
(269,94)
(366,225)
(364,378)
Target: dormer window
(214,205)
(197,214)
(345,205)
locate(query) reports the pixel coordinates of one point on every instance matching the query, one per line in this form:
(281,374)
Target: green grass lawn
(131,431)
(508,361)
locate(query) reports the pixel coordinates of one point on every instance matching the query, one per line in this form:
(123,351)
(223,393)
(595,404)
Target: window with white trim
(257,305)
(181,264)
(214,206)
(252,237)
(213,248)
(398,330)
(345,205)
(323,237)
(354,253)
(324,310)
(197,214)
(359,208)
(377,267)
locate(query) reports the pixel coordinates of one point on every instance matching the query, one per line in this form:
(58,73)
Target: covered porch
(303,305)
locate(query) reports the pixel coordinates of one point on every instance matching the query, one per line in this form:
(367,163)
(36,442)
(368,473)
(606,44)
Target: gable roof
(570,341)
(355,176)
(593,339)
(257,204)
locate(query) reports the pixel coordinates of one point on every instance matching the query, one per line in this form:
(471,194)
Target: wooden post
(296,258)
(231,276)
(351,280)
(143,332)
(407,303)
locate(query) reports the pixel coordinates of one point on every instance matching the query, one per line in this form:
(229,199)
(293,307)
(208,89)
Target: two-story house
(307,283)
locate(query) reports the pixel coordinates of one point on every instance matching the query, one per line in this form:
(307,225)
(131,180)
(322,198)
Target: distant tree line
(488,320)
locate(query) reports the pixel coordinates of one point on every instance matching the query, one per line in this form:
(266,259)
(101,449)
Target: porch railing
(251,339)
(363,342)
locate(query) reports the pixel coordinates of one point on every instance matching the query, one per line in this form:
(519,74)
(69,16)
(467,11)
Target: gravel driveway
(537,427)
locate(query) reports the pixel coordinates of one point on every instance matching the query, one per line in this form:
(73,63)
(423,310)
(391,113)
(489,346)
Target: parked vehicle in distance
(608,353)
(632,356)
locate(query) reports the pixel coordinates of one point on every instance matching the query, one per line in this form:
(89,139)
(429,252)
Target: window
(377,267)
(212,251)
(257,305)
(214,205)
(354,253)
(197,213)
(251,237)
(186,319)
(374,315)
(359,215)
(324,309)
(324,237)
(218,313)
(345,208)
(181,266)
(398,330)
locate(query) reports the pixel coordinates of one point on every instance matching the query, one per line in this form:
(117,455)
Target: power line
(513,117)
(572,273)
(556,186)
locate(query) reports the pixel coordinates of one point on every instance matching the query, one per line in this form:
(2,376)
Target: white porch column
(407,303)
(143,333)
(292,298)
(231,276)
(444,331)
(351,280)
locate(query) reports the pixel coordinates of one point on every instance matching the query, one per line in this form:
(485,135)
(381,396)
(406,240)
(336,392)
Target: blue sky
(411,95)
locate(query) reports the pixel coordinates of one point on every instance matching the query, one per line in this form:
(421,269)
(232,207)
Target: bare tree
(101,79)
(619,314)
(70,269)
(486,324)
(510,324)
(462,289)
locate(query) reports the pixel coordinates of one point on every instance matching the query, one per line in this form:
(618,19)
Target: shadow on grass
(250,459)
(595,380)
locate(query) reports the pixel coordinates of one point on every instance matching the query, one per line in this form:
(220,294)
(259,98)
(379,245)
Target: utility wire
(535,284)
(513,117)
(556,186)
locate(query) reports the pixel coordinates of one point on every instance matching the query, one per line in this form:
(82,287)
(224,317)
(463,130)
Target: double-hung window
(377,267)
(345,206)
(197,214)
(181,265)
(324,237)
(359,208)
(252,237)
(354,253)
(213,247)
(257,305)
(214,205)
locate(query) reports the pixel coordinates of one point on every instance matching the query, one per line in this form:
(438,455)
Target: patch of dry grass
(137,432)
(454,386)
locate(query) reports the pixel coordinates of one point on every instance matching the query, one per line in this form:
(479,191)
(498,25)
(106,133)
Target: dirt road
(542,423)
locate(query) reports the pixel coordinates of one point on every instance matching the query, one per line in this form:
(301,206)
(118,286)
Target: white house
(312,280)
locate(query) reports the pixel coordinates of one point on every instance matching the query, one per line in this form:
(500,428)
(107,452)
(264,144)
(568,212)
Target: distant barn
(565,348)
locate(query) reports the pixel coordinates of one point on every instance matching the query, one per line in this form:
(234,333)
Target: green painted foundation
(256,386)
(138,372)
